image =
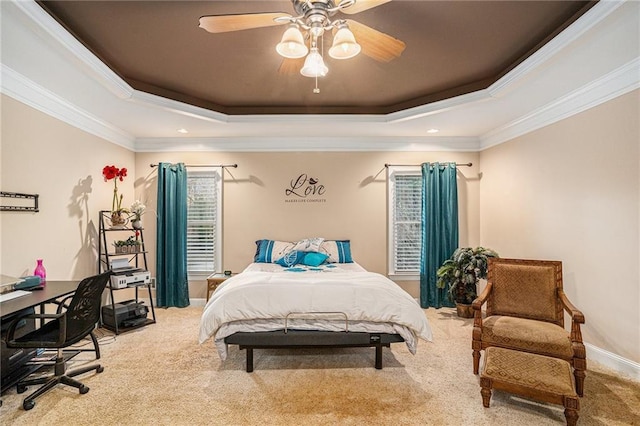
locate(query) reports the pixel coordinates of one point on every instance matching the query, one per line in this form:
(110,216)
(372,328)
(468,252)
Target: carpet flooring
(160,375)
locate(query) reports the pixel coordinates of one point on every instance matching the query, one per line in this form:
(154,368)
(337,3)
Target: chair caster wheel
(84,390)
(28,405)
(100,369)
(21,388)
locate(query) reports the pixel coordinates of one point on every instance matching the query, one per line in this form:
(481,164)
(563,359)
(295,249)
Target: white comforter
(263,295)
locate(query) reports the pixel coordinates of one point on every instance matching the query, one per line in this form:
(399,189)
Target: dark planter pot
(464,310)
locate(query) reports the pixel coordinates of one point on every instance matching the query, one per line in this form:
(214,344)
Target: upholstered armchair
(525,306)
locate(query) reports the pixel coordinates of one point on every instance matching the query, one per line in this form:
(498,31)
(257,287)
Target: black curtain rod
(235,166)
(387,165)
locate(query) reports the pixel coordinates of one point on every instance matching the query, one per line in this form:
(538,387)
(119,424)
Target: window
(405,228)
(204,223)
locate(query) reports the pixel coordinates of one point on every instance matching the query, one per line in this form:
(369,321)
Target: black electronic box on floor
(126,314)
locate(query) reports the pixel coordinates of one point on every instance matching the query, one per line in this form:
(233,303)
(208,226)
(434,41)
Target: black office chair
(64,304)
(62,330)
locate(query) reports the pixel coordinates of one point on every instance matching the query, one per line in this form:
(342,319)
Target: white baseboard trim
(192,302)
(198,302)
(623,366)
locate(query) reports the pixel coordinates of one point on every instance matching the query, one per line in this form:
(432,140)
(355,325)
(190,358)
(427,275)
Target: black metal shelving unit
(137,259)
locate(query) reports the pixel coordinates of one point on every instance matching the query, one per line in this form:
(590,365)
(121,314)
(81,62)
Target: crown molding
(616,83)
(284,144)
(101,73)
(590,19)
(438,107)
(586,22)
(176,107)
(26,91)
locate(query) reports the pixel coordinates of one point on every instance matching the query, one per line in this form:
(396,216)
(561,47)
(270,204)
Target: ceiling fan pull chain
(316,90)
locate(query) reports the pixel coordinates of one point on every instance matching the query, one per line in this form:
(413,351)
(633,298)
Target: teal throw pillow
(314,258)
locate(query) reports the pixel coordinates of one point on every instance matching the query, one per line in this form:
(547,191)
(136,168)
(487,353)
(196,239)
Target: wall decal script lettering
(305,186)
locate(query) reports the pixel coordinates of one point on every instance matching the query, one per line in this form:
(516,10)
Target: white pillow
(308,244)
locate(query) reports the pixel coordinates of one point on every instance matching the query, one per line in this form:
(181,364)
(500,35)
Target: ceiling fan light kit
(314,65)
(344,44)
(292,45)
(314,18)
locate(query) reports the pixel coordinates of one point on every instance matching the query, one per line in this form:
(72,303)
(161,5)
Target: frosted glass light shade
(344,45)
(314,65)
(292,44)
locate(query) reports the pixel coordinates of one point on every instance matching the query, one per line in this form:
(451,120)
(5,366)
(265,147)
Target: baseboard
(624,367)
(192,302)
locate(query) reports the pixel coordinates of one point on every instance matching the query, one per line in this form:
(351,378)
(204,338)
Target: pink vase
(40,271)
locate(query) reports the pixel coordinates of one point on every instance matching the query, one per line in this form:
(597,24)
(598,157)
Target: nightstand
(213,281)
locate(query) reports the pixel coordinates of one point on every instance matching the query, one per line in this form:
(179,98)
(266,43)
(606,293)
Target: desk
(51,291)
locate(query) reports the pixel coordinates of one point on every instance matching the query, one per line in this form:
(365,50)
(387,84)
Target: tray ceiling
(452,48)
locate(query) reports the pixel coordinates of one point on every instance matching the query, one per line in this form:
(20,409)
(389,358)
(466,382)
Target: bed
(290,303)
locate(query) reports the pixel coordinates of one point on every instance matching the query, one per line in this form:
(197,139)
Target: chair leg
(66,380)
(485,391)
(29,402)
(95,344)
(476,361)
(61,376)
(97,367)
(579,375)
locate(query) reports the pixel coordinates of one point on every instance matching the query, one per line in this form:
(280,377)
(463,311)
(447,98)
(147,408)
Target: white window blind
(204,201)
(405,222)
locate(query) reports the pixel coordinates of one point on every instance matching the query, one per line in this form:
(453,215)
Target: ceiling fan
(314,17)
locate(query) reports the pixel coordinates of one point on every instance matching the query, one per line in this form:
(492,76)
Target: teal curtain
(172,285)
(439,229)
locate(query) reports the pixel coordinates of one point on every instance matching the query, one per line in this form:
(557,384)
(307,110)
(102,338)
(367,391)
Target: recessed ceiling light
(433,131)
(183,131)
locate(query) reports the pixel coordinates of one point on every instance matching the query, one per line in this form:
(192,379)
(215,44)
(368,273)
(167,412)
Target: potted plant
(137,209)
(460,274)
(121,246)
(118,221)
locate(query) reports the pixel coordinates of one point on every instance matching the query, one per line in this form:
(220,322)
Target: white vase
(136,224)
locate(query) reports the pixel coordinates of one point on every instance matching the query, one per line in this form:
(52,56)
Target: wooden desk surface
(52,290)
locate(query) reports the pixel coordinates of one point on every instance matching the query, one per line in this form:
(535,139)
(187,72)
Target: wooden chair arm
(479,301)
(576,315)
(477,306)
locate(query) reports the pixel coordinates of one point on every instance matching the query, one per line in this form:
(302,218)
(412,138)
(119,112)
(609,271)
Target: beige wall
(62,164)
(353,207)
(570,192)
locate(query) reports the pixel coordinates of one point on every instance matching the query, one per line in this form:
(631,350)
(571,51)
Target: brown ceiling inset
(452,48)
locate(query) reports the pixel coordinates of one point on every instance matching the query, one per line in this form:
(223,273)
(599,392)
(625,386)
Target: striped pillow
(339,251)
(269,251)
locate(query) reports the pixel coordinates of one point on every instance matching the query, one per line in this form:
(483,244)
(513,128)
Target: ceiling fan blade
(375,44)
(227,23)
(362,5)
(291,66)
